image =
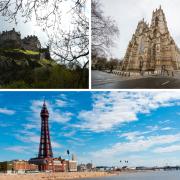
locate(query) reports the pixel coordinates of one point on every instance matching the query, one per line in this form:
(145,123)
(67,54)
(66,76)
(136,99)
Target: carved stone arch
(141,63)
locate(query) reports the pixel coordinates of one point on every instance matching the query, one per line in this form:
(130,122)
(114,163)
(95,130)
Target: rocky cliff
(19,65)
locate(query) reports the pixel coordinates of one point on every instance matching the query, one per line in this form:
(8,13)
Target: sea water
(156,175)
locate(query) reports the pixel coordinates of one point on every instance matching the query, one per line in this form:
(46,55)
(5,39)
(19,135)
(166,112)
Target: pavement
(103,80)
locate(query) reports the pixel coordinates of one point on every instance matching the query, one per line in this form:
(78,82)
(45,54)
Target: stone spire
(159,21)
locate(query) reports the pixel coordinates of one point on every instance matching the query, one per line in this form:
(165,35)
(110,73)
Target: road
(103,80)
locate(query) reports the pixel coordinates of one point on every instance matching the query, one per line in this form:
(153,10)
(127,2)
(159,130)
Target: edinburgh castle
(152,48)
(12,40)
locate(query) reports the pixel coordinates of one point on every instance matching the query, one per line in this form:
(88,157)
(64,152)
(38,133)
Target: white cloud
(55,144)
(165,121)
(28,137)
(61,103)
(18,149)
(169,149)
(112,109)
(158,128)
(153,128)
(166,128)
(69,134)
(133,135)
(7,111)
(55,115)
(31,137)
(146,149)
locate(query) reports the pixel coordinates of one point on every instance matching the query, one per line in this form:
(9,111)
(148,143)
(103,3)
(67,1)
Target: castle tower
(45,149)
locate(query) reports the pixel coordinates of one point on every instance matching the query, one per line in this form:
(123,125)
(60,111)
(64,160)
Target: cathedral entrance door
(141,64)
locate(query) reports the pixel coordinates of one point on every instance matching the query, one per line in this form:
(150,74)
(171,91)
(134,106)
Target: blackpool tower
(45,149)
(45,156)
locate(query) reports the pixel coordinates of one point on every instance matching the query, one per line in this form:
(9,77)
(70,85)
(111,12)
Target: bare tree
(112,64)
(66,45)
(104,30)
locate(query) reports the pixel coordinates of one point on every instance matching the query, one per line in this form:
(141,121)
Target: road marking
(165,83)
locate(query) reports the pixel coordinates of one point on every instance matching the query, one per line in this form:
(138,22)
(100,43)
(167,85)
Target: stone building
(17,166)
(31,43)
(10,39)
(152,48)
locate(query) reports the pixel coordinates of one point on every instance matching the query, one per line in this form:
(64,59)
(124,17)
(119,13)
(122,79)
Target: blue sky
(105,127)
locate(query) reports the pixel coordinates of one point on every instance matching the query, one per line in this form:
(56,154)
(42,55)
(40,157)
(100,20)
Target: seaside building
(17,166)
(152,48)
(72,165)
(85,167)
(81,167)
(89,166)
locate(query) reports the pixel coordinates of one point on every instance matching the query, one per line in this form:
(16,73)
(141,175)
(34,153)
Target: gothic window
(140,30)
(141,46)
(153,51)
(156,21)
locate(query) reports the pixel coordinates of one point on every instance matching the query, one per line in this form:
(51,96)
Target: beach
(54,176)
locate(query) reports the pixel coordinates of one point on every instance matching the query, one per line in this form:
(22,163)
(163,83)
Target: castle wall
(10,39)
(31,43)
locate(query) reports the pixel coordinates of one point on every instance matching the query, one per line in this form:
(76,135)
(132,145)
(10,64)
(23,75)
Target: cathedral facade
(152,48)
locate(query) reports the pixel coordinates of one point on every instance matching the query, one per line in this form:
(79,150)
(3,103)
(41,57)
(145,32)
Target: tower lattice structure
(45,148)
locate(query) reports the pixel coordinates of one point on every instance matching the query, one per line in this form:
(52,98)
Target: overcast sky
(25,29)
(31,28)
(127,13)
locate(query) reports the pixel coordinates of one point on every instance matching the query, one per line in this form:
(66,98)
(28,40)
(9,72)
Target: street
(103,80)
